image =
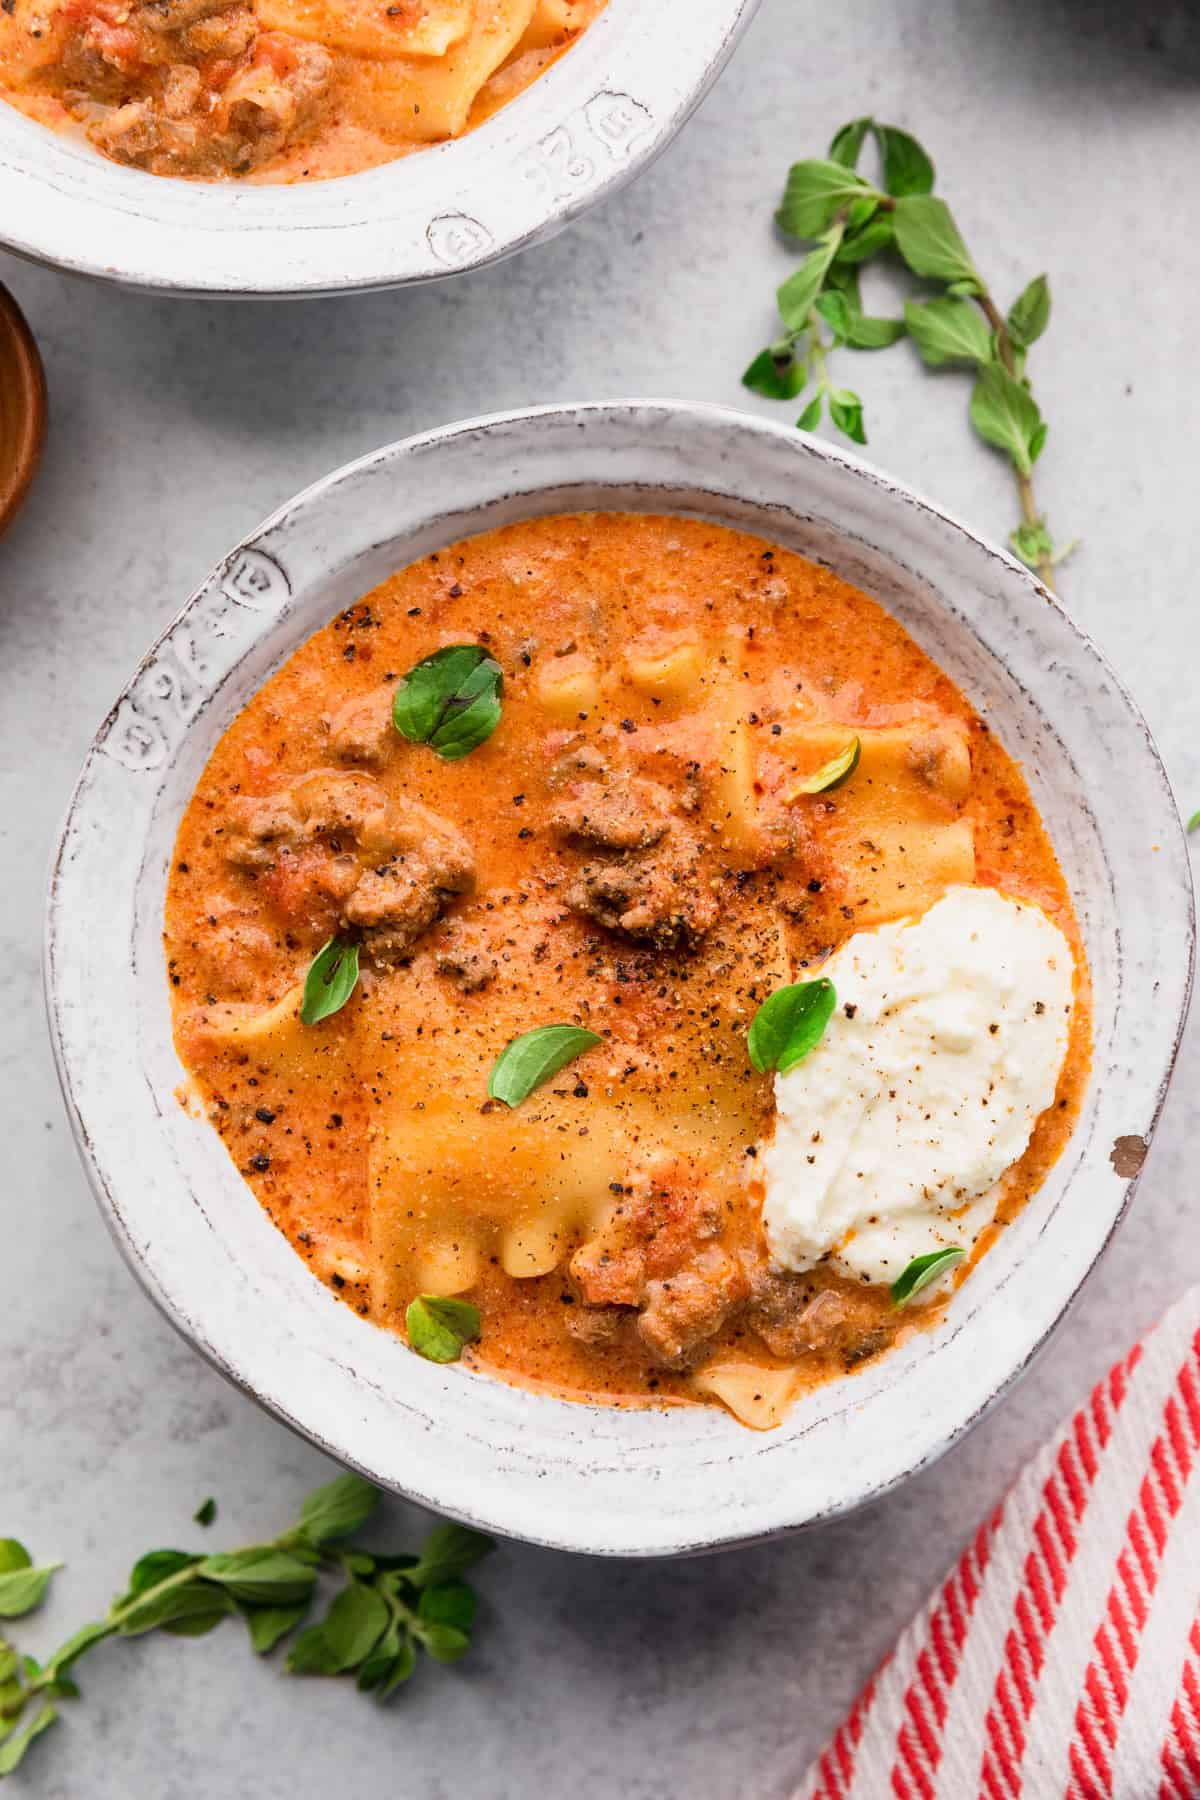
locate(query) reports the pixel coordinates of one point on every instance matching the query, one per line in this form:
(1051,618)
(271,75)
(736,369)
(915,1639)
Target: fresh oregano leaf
(268,1624)
(472,716)
(847,144)
(402,1666)
(836,308)
(450,700)
(923,1270)
(311,1654)
(844,280)
(948,331)
(198,1620)
(331,979)
(1030,313)
(814,193)
(355,1623)
(790,1024)
(927,238)
(14,1748)
(846,411)
(875,237)
(810,418)
(860,212)
(906,166)
(798,293)
(1032,543)
(448,1551)
(156,1565)
(776,378)
(532,1059)
(451,1603)
(206,1512)
(438,1328)
(445,1643)
(1005,414)
(338,1509)
(13,1555)
(874,334)
(1193,823)
(421,699)
(171,1608)
(839,768)
(377,1665)
(260,1575)
(23,1590)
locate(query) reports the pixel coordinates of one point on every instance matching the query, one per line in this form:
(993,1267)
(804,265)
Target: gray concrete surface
(1067,137)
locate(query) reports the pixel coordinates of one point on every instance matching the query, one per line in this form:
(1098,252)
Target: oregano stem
(388,1608)
(816,348)
(1030,511)
(110,1626)
(850,222)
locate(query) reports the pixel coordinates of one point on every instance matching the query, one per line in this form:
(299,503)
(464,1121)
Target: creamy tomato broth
(660,834)
(275,90)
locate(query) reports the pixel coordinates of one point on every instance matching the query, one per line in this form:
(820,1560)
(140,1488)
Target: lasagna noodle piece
(733,806)
(671,675)
(518,73)
(376,28)
(274,1031)
(555,20)
(895,833)
(757,1395)
(454,1180)
(553,28)
(419,100)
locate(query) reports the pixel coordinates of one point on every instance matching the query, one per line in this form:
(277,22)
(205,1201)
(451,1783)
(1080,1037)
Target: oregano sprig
(851,221)
(388,1608)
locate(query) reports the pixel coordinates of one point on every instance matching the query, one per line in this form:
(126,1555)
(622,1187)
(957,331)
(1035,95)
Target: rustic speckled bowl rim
(577,1477)
(582,130)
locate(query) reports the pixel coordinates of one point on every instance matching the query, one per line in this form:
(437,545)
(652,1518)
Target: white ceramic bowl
(579,132)
(585,1478)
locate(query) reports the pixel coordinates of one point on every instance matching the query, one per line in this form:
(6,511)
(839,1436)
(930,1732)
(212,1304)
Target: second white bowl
(583,129)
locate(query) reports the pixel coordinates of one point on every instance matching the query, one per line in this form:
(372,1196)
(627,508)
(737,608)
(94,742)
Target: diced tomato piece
(306,888)
(275,53)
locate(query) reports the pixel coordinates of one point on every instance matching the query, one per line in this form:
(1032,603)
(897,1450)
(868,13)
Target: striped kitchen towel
(1061,1659)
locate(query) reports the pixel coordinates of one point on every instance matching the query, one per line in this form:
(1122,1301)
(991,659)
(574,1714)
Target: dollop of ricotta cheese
(946,1043)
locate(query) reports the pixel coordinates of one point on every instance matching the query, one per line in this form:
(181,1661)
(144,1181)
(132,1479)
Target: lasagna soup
(275,90)
(614,948)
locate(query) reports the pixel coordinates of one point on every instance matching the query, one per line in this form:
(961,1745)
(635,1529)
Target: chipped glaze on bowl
(583,129)
(578,1477)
